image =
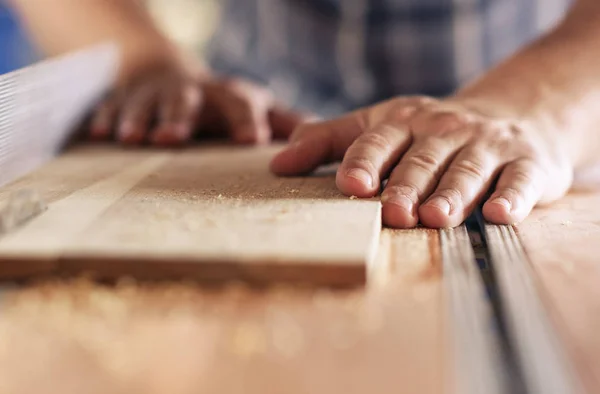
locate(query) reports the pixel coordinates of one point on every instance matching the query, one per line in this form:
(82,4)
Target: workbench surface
(393,334)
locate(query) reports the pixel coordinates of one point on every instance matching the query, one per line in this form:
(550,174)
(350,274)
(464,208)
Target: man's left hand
(442,158)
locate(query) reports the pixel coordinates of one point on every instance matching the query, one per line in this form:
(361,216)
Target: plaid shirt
(330,56)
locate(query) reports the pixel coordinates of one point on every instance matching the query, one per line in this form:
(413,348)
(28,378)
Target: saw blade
(41,105)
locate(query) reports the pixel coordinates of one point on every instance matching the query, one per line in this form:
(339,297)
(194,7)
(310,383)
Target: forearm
(60,26)
(553,84)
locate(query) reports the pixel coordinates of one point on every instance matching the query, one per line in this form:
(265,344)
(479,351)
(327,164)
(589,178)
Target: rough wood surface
(562,243)
(79,337)
(210,213)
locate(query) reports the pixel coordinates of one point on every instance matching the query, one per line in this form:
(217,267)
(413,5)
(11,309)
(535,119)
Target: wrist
(142,57)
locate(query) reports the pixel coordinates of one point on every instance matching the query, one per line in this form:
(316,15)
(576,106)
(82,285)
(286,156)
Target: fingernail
(502,201)
(400,200)
(361,175)
(441,204)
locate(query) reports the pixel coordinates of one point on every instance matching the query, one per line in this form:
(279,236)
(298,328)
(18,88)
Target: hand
(170,104)
(442,158)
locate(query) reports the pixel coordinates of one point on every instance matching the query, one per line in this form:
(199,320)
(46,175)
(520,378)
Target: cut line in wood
(542,360)
(478,365)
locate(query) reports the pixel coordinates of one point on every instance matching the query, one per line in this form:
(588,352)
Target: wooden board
(562,243)
(209,213)
(79,337)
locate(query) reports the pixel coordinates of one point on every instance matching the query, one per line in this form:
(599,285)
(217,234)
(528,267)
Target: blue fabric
(331,56)
(15,49)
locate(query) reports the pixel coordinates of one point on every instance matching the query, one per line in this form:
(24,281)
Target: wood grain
(478,366)
(58,179)
(561,242)
(178,338)
(209,213)
(539,352)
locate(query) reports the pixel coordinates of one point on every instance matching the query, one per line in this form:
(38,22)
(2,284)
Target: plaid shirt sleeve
(331,56)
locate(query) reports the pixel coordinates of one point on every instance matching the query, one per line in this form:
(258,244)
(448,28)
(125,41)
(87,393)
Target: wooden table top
(393,335)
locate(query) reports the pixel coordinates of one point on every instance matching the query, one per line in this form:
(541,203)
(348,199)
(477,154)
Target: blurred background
(190,23)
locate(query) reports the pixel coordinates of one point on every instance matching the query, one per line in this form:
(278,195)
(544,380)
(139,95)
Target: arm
(157,80)
(554,83)
(521,130)
(60,26)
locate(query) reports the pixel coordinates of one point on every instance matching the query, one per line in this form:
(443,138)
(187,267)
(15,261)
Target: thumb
(284,121)
(315,144)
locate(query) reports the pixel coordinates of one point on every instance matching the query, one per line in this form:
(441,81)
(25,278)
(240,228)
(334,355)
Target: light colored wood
(79,337)
(478,364)
(210,213)
(55,181)
(540,355)
(562,244)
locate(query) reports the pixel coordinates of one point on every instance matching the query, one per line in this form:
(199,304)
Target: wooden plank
(58,179)
(561,242)
(79,337)
(478,364)
(75,170)
(209,213)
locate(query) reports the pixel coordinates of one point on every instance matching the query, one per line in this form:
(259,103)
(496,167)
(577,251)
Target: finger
(245,108)
(314,144)
(415,177)
(137,112)
(371,157)
(104,118)
(323,142)
(284,121)
(178,113)
(518,190)
(463,185)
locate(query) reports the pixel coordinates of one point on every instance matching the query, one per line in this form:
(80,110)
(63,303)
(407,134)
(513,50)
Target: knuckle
(422,101)
(424,160)
(511,193)
(522,177)
(402,112)
(376,140)
(360,162)
(440,123)
(469,168)
(407,190)
(451,119)
(452,195)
